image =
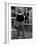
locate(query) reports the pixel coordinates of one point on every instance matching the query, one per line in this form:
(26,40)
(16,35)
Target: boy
(20,23)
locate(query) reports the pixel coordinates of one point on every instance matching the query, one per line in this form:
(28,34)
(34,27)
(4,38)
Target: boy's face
(19,11)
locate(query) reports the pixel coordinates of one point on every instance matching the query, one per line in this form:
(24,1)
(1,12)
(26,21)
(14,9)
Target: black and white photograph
(18,22)
(21,22)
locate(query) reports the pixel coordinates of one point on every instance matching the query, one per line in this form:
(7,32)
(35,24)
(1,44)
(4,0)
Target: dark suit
(26,17)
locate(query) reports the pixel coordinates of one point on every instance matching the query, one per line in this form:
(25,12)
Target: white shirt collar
(20,13)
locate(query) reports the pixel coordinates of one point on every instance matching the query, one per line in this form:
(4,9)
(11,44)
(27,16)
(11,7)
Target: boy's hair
(19,11)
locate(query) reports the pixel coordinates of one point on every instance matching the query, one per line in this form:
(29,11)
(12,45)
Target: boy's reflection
(27,17)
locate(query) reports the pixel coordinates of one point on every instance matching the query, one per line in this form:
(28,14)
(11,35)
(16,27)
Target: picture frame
(8,21)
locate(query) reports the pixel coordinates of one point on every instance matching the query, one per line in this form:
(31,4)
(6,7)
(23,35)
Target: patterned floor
(26,35)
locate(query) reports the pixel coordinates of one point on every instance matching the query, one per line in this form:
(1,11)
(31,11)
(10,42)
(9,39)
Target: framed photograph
(19,21)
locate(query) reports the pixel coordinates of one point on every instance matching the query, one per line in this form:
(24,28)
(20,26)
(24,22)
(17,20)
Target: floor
(27,33)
